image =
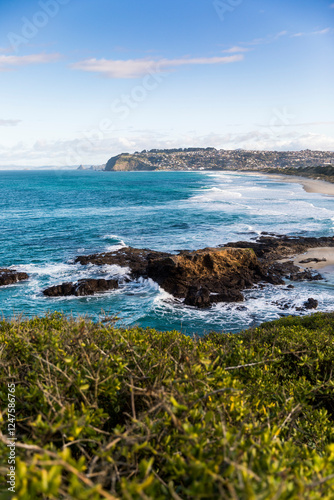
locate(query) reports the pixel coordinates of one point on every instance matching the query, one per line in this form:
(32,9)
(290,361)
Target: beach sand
(317,253)
(309,185)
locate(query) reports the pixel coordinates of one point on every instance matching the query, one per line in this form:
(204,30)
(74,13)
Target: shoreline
(319,253)
(309,185)
(321,259)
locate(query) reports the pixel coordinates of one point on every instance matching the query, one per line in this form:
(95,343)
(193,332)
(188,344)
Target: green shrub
(105,412)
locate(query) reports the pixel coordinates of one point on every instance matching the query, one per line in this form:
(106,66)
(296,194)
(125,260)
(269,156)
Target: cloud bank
(11,62)
(136,68)
(9,123)
(96,151)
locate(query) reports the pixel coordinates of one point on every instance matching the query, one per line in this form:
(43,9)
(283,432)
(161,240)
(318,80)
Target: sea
(50,217)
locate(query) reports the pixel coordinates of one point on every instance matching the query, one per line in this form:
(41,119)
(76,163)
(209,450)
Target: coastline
(316,254)
(309,185)
(320,259)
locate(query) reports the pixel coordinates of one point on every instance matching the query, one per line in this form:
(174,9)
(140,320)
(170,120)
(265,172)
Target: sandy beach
(324,254)
(309,185)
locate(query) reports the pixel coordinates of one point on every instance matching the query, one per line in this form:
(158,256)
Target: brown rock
(81,288)
(311,303)
(201,277)
(278,247)
(135,258)
(10,276)
(206,276)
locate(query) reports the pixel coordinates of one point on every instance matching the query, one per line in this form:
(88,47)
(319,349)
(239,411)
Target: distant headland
(306,163)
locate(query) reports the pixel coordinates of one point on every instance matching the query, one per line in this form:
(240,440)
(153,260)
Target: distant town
(316,164)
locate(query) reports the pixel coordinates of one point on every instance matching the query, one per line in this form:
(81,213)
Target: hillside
(214,159)
(126,162)
(104,412)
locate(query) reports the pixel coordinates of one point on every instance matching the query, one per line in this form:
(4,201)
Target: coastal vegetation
(325,173)
(105,412)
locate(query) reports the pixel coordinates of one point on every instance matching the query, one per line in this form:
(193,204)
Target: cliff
(126,162)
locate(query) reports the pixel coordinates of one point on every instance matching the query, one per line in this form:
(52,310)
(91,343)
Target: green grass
(104,412)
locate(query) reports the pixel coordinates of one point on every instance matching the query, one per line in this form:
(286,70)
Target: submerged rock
(309,304)
(283,304)
(11,276)
(81,288)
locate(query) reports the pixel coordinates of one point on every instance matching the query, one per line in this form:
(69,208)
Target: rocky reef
(271,247)
(201,277)
(211,275)
(11,276)
(81,288)
(207,276)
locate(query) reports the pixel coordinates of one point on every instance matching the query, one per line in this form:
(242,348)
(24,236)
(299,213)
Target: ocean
(50,217)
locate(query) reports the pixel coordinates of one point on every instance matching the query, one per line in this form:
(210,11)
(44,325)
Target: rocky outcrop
(310,304)
(136,259)
(287,270)
(211,275)
(314,260)
(10,277)
(201,277)
(271,248)
(207,276)
(81,288)
(126,162)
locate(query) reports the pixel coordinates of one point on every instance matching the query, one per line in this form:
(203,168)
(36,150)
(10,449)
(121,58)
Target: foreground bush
(105,413)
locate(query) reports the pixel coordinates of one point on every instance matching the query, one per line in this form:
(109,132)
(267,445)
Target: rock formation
(81,288)
(126,162)
(201,277)
(277,247)
(207,276)
(10,276)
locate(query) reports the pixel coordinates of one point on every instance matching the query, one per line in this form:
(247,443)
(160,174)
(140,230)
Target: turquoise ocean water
(49,217)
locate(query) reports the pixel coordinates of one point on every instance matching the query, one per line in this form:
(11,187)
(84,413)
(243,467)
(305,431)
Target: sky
(84,80)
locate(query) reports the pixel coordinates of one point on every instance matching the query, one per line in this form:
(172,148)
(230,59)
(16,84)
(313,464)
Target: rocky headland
(312,164)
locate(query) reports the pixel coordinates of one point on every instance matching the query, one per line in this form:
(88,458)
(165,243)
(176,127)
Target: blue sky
(83,80)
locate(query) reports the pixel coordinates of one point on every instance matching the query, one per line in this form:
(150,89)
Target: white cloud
(305,124)
(236,49)
(135,68)
(94,152)
(9,123)
(281,33)
(267,39)
(277,36)
(318,32)
(10,62)
(321,32)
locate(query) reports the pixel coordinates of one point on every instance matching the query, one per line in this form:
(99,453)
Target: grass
(105,413)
